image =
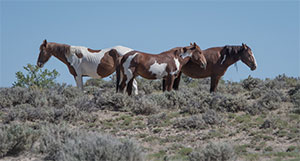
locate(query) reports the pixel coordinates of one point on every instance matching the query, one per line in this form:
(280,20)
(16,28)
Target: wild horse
(82,61)
(218,60)
(165,65)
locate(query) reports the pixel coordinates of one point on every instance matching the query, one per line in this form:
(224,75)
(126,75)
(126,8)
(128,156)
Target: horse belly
(195,71)
(147,75)
(90,69)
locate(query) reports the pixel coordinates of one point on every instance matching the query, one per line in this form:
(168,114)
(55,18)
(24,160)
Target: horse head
(247,57)
(197,55)
(44,55)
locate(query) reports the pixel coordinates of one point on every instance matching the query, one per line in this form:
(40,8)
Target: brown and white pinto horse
(218,60)
(165,65)
(82,61)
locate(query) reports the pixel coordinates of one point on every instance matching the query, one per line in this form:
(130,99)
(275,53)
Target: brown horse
(165,65)
(82,61)
(218,60)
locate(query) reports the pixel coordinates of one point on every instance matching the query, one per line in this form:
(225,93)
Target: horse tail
(118,73)
(117,59)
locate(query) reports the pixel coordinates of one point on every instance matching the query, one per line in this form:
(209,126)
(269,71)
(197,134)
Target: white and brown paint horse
(165,65)
(82,61)
(218,60)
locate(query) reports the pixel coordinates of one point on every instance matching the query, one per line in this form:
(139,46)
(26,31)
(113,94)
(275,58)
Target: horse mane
(230,51)
(61,49)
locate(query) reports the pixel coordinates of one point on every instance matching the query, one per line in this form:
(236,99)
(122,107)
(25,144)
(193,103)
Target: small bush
(191,122)
(211,117)
(144,106)
(101,83)
(16,138)
(228,103)
(251,83)
(59,143)
(158,119)
(35,77)
(214,152)
(295,98)
(112,101)
(148,86)
(270,101)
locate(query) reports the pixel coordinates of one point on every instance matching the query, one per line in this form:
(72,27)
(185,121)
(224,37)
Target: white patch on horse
(135,87)
(122,50)
(186,54)
(223,59)
(177,66)
(254,60)
(158,69)
(126,66)
(88,64)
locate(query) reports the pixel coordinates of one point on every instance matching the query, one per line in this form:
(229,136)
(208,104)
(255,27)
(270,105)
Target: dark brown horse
(218,60)
(165,65)
(82,61)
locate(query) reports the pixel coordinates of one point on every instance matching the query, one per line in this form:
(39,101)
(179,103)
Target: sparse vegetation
(250,120)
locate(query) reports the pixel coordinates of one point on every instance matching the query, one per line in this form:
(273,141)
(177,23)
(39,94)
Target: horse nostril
(39,64)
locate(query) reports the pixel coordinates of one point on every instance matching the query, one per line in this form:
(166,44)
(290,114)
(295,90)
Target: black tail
(118,68)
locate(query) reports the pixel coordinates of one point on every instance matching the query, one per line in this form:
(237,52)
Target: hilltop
(249,120)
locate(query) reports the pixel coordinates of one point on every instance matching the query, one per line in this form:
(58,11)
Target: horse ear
(197,46)
(191,44)
(45,43)
(244,46)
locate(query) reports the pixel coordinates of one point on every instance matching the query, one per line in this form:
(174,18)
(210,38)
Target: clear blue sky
(270,28)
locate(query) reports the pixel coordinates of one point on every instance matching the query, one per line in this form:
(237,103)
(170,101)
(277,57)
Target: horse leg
(164,84)
(169,82)
(129,86)
(79,83)
(214,80)
(177,81)
(135,87)
(130,77)
(122,85)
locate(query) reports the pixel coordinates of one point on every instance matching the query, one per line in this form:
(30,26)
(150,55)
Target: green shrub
(35,77)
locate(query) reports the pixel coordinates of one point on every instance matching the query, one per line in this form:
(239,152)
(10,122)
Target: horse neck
(59,51)
(232,57)
(231,61)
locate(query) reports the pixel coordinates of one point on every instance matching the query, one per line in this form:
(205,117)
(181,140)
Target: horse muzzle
(40,65)
(253,67)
